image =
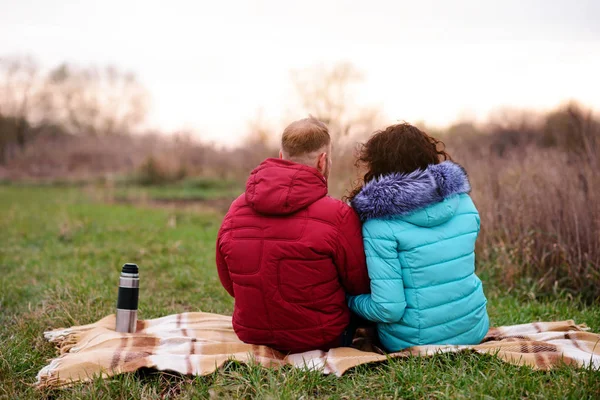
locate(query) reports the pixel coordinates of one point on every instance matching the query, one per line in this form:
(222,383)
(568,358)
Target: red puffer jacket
(289,253)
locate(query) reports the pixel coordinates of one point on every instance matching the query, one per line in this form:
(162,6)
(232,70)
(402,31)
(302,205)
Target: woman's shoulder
(466,204)
(384,228)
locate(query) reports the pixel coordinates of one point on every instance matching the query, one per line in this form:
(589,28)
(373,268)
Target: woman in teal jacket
(420,227)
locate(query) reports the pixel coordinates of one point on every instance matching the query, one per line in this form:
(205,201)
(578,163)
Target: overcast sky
(211,65)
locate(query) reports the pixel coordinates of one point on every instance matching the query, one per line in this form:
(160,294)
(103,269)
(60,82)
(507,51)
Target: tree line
(65,100)
(70,99)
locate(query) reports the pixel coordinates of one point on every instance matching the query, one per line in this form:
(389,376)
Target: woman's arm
(387,302)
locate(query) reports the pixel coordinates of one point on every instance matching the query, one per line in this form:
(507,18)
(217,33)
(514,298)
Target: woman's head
(400,148)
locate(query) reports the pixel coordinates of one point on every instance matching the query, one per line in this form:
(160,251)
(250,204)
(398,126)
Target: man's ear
(322,163)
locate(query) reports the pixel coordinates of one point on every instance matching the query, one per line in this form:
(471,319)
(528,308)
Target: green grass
(60,255)
(188,189)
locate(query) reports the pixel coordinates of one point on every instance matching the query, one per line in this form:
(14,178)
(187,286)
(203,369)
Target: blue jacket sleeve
(386,302)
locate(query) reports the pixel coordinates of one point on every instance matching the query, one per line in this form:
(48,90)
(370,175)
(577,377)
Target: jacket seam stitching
(446,261)
(439,241)
(305,219)
(413,227)
(312,299)
(440,284)
(457,318)
(453,301)
(462,333)
(287,196)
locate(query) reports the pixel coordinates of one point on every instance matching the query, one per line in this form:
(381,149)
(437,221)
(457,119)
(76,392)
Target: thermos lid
(130,268)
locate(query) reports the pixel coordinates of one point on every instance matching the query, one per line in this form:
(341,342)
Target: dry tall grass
(540,219)
(538,192)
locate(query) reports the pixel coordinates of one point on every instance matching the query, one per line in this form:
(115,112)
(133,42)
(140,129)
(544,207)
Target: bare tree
(327,94)
(259,131)
(94,101)
(17,100)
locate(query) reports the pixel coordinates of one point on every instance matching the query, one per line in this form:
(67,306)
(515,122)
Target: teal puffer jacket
(419,234)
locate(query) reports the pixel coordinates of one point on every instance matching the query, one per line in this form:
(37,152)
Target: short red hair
(304,136)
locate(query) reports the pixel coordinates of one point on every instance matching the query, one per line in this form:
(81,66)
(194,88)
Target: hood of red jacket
(280,187)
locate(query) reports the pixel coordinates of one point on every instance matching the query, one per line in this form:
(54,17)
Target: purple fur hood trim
(401,194)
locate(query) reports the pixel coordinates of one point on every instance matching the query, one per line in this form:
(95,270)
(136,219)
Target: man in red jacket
(288,253)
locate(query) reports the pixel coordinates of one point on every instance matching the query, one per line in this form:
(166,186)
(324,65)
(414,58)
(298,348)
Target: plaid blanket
(198,343)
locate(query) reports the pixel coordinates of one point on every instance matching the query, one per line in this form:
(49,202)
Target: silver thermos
(127,302)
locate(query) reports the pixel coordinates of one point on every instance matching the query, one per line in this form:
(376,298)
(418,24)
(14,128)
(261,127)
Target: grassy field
(60,256)
(186,190)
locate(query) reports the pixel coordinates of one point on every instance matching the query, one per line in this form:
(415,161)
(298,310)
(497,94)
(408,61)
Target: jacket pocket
(244,257)
(306,281)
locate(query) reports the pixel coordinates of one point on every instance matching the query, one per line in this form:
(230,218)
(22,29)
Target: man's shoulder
(330,209)
(236,206)
(238,203)
(240,200)
(337,203)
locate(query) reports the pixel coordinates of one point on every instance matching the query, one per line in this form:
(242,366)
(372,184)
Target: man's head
(307,142)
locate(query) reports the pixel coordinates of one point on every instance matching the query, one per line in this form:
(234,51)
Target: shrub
(156,171)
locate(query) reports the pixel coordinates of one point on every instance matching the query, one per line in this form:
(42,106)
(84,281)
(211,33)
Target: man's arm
(222,268)
(387,301)
(350,256)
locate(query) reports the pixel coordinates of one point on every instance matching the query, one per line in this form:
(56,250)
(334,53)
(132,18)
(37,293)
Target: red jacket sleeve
(350,258)
(222,268)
